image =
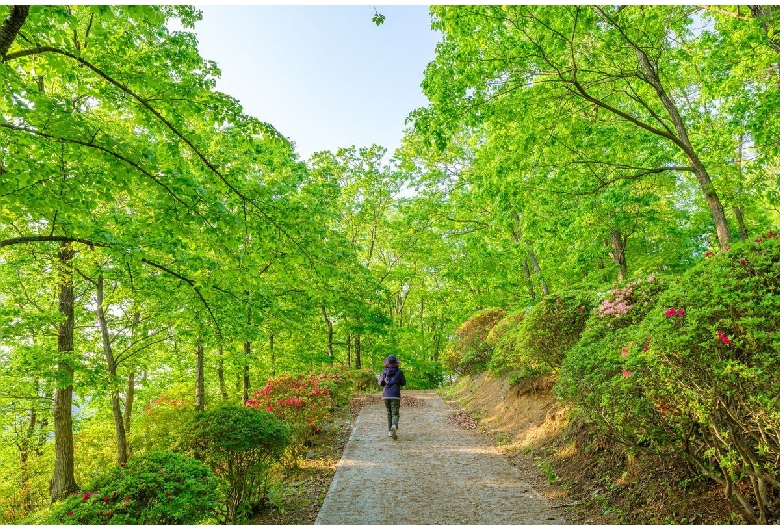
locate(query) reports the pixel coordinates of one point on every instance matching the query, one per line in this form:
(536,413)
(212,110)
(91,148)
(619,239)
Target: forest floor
(568,473)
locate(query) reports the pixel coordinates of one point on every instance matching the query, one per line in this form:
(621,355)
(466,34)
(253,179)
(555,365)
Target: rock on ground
(435,473)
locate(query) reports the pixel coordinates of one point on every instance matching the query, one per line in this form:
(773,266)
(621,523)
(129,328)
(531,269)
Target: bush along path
(434,473)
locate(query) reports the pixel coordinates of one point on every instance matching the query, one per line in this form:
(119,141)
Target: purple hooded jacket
(392,379)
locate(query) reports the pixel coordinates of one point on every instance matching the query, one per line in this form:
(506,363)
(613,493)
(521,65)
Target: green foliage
(712,365)
(551,328)
(303,402)
(239,444)
(155,488)
(469,351)
(165,421)
(505,338)
(599,373)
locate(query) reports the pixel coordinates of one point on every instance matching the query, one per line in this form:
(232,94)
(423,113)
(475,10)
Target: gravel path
(435,473)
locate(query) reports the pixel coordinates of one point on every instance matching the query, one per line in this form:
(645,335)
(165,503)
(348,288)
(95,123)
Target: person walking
(392,379)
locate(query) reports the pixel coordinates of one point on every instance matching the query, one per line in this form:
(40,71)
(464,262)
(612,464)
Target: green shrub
(505,337)
(712,371)
(155,488)
(550,329)
(165,421)
(469,352)
(240,444)
(599,373)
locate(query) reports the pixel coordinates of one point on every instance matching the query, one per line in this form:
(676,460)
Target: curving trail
(435,473)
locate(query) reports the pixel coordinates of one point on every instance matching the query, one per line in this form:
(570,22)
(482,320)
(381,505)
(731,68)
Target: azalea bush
(712,367)
(469,351)
(342,382)
(164,421)
(600,372)
(505,338)
(152,489)
(240,444)
(303,402)
(550,329)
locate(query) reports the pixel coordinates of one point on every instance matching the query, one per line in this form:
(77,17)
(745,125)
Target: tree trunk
(422,319)
(743,233)
(116,407)
(527,272)
(330,331)
(349,350)
(247,351)
(702,176)
(618,253)
(200,380)
(130,392)
(538,271)
(129,398)
(221,374)
(273,353)
(357,352)
(63,481)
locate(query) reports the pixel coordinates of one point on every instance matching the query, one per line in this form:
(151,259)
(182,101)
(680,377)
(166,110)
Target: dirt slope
(435,473)
(589,478)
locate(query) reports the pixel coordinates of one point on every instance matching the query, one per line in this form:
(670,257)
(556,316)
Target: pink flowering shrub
(157,488)
(623,306)
(469,351)
(303,402)
(600,373)
(712,368)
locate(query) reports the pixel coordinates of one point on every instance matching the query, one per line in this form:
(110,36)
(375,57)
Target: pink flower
(627,373)
(758,240)
(624,351)
(742,262)
(645,347)
(680,312)
(580,309)
(724,338)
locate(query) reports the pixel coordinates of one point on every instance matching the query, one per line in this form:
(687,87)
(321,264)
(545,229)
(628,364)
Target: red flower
(758,240)
(70,513)
(580,309)
(105,499)
(707,254)
(645,347)
(680,312)
(742,262)
(724,338)
(85,496)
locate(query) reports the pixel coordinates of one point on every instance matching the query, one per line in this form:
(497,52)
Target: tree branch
(145,104)
(11,26)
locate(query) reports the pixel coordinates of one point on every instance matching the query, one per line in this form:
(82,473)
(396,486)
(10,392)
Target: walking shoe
(392,432)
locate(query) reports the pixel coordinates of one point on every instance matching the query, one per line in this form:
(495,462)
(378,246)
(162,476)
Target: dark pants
(393,407)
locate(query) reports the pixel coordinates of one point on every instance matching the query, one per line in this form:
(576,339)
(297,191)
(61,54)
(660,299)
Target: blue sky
(324,76)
